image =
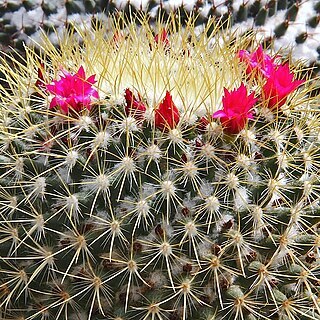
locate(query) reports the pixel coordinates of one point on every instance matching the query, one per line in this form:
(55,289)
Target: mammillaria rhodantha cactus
(161,184)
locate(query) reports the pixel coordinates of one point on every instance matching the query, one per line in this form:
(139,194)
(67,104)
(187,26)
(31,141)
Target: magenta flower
(237,109)
(279,85)
(162,38)
(73,92)
(257,61)
(167,114)
(134,107)
(40,80)
(203,124)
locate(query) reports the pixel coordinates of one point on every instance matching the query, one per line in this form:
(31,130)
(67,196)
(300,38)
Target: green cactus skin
(103,217)
(22,21)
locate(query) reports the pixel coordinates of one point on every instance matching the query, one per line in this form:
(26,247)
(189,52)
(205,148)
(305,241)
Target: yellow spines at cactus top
(158,173)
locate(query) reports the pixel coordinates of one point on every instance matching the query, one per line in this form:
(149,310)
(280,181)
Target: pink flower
(279,85)
(203,124)
(167,114)
(73,92)
(162,38)
(117,38)
(134,107)
(40,80)
(257,61)
(237,109)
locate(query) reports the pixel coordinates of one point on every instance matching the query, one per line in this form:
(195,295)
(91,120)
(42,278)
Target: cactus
(290,25)
(154,173)
(24,21)
(286,24)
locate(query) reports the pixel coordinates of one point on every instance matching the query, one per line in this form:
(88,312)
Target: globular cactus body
(24,21)
(158,177)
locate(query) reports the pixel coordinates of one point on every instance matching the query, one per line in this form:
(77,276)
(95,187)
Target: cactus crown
(156,174)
